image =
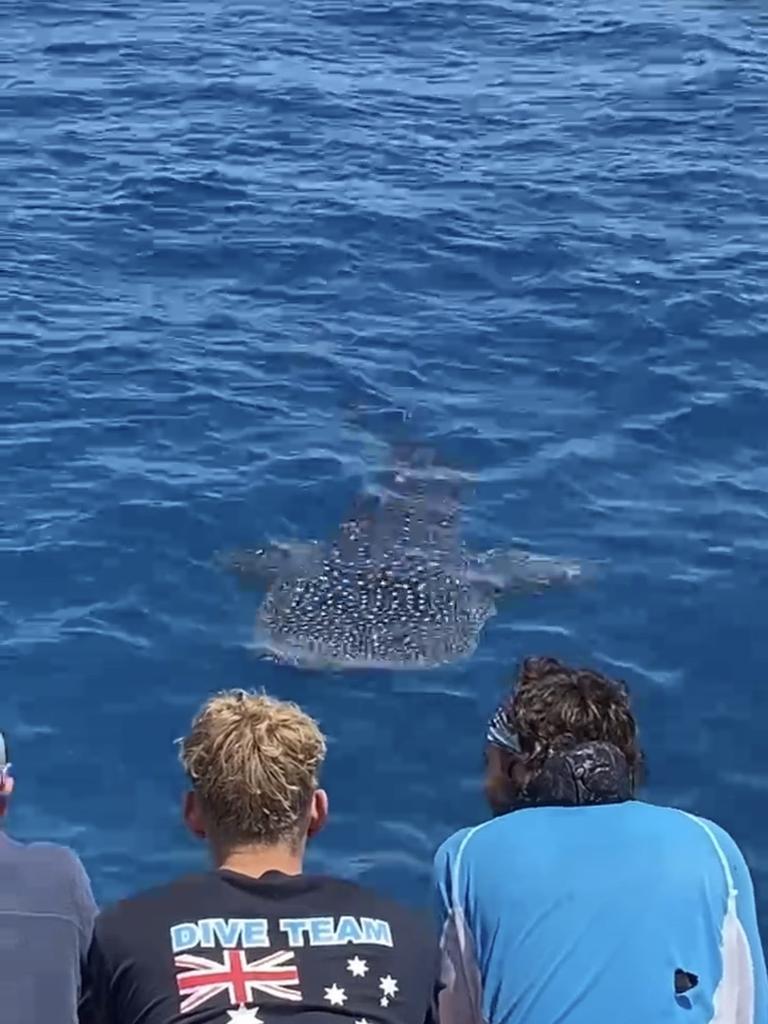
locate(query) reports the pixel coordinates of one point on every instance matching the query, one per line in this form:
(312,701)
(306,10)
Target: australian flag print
(241,979)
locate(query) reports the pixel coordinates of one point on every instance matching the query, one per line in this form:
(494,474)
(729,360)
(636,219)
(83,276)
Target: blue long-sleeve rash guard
(585,915)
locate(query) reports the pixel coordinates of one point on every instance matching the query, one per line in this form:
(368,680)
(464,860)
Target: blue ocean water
(244,245)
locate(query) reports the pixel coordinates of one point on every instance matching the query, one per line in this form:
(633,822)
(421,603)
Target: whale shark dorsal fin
(512,569)
(259,567)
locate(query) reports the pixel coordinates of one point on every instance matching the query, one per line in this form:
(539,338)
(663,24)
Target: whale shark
(395,587)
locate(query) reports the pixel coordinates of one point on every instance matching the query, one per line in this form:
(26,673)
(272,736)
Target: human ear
(193,816)
(318,812)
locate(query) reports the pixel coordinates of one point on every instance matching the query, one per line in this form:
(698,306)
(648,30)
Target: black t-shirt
(224,948)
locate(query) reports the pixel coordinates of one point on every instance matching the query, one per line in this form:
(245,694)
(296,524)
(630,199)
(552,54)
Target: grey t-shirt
(46,920)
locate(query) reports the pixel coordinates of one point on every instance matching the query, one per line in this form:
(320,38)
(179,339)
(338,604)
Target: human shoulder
(715,831)
(698,840)
(456,856)
(473,841)
(348,891)
(723,842)
(50,879)
(54,861)
(348,898)
(684,823)
(57,854)
(142,905)
(448,850)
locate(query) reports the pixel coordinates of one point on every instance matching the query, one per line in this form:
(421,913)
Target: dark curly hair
(556,707)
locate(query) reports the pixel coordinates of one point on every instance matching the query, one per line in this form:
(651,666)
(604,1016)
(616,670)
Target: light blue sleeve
(459,999)
(747,912)
(441,878)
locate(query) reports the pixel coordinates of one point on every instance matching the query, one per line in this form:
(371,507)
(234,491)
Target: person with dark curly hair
(578,903)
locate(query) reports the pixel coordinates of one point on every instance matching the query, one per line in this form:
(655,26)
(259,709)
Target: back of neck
(256,861)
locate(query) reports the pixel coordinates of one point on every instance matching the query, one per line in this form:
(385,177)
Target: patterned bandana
(587,773)
(501,734)
(590,773)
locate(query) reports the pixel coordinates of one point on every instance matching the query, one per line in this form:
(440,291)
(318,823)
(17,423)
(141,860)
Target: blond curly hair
(254,762)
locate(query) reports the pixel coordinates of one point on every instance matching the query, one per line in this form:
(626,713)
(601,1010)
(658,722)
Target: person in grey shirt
(47,912)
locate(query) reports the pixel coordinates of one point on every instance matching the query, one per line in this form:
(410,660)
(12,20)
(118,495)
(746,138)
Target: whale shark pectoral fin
(515,571)
(252,567)
(259,567)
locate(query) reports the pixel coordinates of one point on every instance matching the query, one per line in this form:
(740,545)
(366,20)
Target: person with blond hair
(256,941)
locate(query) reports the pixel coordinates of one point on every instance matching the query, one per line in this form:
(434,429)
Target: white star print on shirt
(384,1002)
(388,986)
(358,969)
(361,1021)
(243,1016)
(336,996)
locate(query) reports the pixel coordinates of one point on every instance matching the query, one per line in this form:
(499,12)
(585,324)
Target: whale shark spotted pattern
(394,588)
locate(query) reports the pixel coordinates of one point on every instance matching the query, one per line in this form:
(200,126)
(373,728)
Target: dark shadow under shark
(395,588)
